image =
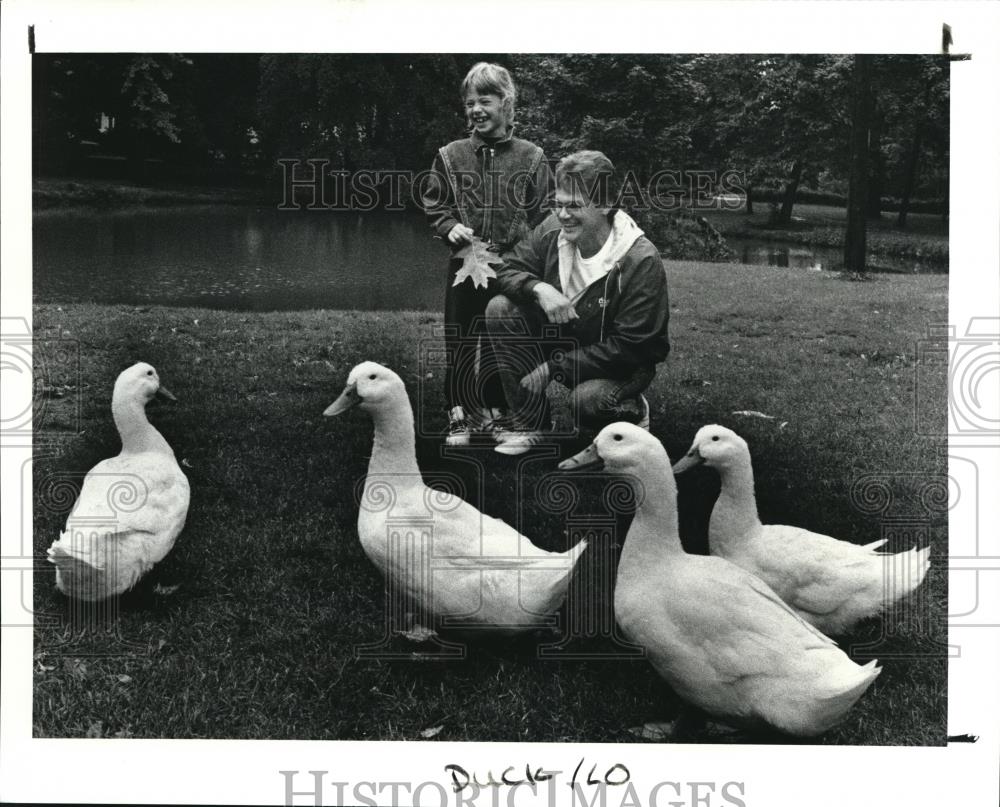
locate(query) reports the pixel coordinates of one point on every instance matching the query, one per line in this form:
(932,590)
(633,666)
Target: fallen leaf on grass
(431,732)
(753,413)
(125,679)
(166,591)
(185,463)
(652,731)
(476,259)
(75,667)
(57,392)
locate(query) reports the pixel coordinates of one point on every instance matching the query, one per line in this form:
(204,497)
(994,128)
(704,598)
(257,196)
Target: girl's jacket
(498,190)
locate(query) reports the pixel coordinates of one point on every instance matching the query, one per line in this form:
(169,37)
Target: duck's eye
(618,437)
(716,437)
(371,377)
(149,372)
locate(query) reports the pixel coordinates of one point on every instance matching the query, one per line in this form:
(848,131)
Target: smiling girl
(489,185)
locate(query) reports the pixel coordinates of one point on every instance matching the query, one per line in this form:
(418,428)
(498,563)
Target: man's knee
(596,404)
(505,317)
(502,307)
(592,400)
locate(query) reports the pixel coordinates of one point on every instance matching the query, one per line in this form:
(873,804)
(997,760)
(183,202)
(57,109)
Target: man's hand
(555,304)
(460,234)
(537,380)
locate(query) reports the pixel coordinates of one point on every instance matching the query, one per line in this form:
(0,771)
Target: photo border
(236,772)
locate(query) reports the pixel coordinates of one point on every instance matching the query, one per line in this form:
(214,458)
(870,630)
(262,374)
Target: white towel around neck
(577,273)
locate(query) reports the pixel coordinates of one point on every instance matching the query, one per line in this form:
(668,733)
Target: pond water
(239,258)
(264,259)
(816,259)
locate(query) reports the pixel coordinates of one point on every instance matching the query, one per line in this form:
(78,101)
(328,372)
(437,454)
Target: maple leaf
(476,259)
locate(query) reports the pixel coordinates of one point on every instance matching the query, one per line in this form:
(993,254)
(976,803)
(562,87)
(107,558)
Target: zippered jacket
(499,189)
(623,316)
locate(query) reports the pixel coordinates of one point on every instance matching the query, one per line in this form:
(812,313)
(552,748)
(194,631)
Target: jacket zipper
(488,213)
(606,302)
(604,299)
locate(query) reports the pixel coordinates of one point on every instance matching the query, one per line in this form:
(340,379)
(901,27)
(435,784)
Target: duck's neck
(137,433)
(735,513)
(394,449)
(654,536)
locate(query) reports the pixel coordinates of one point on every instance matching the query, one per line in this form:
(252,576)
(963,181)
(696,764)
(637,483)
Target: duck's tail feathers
(94,566)
(874,545)
(577,550)
(865,675)
(907,571)
(921,565)
(559,581)
(835,705)
(76,576)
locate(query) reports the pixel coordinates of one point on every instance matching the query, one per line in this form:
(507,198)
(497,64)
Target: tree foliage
(781,121)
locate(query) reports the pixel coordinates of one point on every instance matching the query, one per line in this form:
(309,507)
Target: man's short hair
(592,174)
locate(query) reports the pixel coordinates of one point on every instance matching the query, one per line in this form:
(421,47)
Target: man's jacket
(623,316)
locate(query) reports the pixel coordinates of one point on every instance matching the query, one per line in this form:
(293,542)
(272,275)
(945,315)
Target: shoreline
(812,226)
(89,194)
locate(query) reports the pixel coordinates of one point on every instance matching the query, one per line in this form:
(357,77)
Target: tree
(361,111)
(861,114)
(638,109)
(776,119)
(927,120)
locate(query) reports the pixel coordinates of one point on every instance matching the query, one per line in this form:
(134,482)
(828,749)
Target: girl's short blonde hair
(485,78)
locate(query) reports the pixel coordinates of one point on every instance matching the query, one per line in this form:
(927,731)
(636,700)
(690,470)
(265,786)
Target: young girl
(493,186)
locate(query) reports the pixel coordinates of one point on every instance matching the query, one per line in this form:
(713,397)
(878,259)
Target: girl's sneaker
(518,441)
(492,421)
(458,428)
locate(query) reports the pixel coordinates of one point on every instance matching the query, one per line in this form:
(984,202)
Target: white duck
(717,634)
(831,583)
(443,554)
(131,507)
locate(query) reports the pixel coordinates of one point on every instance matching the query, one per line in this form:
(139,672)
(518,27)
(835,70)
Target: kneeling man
(583,301)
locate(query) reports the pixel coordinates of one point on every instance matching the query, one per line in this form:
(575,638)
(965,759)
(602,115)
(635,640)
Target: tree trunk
(788,201)
(876,176)
(857,196)
(911,173)
(913,156)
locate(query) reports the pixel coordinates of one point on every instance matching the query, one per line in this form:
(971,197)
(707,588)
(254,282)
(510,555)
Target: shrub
(681,235)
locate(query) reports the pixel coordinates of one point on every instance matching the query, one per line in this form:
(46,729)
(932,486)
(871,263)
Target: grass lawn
(925,237)
(275,593)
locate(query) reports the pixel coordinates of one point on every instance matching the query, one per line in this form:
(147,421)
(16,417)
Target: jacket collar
(478,142)
(624,233)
